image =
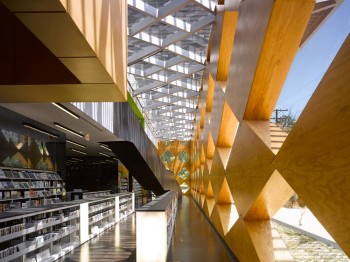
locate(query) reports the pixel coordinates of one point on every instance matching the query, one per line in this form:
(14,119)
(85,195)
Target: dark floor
(193,240)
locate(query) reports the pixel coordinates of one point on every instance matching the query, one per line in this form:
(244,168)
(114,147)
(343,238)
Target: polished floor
(193,240)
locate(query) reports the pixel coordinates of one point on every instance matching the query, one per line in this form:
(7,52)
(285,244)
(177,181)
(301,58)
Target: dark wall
(22,147)
(127,127)
(88,175)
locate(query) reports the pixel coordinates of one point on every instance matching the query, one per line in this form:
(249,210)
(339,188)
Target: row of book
(49,201)
(28,175)
(8,195)
(101,206)
(96,194)
(25,185)
(9,251)
(12,229)
(30,203)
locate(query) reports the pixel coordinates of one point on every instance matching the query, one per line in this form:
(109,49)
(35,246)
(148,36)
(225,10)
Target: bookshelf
(137,189)
(23,188)
(48,232)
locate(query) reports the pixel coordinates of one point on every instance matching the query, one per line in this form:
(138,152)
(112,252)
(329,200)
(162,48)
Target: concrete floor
(193,240)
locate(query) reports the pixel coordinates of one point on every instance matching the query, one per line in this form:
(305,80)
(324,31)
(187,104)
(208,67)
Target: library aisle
(115,244)
(193,240)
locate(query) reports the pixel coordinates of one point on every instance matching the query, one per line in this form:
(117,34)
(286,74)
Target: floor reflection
(115,244)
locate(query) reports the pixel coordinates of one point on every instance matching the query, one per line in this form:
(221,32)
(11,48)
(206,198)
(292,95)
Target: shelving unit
(124,185)
(28,232)
(101,215)
(137,189)
(95,194)
(126,205)
(48,232)
(155,224)
(23,188)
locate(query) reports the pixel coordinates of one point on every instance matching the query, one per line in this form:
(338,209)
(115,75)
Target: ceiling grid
(167,46)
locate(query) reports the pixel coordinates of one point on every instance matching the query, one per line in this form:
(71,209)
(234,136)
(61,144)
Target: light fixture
(75,143)
(39,130)
(103,154)
(76,159)
(78,151)
(68,129)
(105,147)
(66,110)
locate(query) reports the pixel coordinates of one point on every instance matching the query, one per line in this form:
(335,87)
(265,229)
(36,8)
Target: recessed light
(78,151)
(39,130)
(68,129)
(103,154)
(75,143)
(105,147)
(78,159)
(66,110)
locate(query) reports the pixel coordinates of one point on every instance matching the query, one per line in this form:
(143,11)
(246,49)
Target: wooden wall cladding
(255,166)
(210,93)
(217,176)
(216,111)
(181,161)
(315,157)
(249,167)
(226,43)
(287,24)
(228,127)
(253,18)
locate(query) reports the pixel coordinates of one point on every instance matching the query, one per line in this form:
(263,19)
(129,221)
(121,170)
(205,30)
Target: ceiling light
(39,130)
(75,143)
(103,154)
(78,151)
(76,159)
(66,110)
(68,129)
(105,147)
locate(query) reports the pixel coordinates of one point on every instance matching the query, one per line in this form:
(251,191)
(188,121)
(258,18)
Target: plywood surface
(249,168)
(315,157)
(285,29)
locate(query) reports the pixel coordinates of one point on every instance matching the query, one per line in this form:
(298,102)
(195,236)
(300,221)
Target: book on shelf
(7,195)
(25,175)
(31,193)
(2,174)
(16,174)
(26,194)
(31,175)
(15,194)
(8,174)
